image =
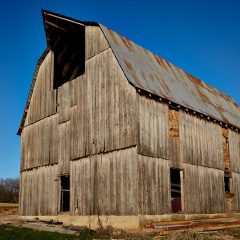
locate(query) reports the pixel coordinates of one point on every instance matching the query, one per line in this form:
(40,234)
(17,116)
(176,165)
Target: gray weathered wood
(203,189)
(234,149)
(105,184)
(153,185)
(153,128)
(39,191)
(200,142)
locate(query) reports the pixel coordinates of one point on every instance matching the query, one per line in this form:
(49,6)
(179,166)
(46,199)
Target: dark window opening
(175,178)
(227,183)
(67,41)
(65,193)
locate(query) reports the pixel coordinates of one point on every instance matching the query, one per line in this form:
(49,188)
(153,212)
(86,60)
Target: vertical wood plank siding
(103,119)
(95,114)
(200,141)
(64,148)
(40,143)
(203,189)
(43,101)
(234,149)
(39,191)
(95,41)
(153,185)
(153,128)
(236,190)
(105,184)
(64,102)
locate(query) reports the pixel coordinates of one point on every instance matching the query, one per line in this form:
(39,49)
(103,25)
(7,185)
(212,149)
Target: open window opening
(65,193)
(175,178)
(67,40)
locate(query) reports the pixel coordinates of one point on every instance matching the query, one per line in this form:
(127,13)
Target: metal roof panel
(147,71)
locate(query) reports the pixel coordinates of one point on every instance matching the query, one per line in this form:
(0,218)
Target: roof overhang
(53,21)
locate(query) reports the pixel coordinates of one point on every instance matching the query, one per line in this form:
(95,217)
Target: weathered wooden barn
(111,129)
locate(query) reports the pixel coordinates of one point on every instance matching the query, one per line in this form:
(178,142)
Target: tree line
(9,190)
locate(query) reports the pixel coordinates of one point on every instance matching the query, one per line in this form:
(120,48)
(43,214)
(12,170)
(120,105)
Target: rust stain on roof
(152,73)
(159,60)
(113,36)
(127,43)
(133,72)
(196,80)
(128,64)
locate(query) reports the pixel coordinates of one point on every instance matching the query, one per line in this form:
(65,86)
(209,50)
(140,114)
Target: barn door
(65,194)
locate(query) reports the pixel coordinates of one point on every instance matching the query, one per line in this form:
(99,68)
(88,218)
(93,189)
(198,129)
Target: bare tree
(9,190)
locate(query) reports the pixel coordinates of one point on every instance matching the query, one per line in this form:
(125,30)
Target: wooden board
(43,100)
(203,189)
(234,149)
(103,119)
(153,134)
(64,102)
(200,142)
(95,41)
(39,191)
(153,185)
(236,191)
(40,143)
(105,184)
(64,148)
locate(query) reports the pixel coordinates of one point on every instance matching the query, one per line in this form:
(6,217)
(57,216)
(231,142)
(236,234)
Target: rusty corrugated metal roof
(147,71)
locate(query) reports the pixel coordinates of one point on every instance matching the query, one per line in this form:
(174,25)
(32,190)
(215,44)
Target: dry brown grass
(218,235)
(8,209)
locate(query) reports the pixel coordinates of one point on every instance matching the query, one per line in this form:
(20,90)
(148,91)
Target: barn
(113,133)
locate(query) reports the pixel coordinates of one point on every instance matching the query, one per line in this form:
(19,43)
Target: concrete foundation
(126,222)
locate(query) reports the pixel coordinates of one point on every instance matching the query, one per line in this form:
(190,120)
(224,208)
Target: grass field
(8,232)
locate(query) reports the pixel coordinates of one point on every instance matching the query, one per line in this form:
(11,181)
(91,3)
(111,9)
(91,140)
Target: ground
(10,232)
(11,228)
(8,209)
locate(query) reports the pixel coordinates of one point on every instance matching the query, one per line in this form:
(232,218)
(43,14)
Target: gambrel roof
(151,73)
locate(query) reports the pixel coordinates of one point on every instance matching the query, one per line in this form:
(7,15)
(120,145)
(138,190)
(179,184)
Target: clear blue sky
(200,36)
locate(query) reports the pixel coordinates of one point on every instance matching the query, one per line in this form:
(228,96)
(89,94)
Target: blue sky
(202,37)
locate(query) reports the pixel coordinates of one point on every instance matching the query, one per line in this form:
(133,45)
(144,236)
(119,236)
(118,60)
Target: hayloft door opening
(67,41)
(65,193)
(176,198)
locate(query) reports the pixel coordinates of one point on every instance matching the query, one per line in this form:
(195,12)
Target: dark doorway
(227,183)
(65,193)
(175,178)
(229,195)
